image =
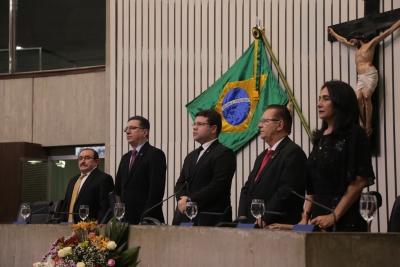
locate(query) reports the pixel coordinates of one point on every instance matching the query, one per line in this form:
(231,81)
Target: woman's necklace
(323,141)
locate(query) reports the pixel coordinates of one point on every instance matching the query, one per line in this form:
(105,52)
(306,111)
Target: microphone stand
(322,206)
(141,218)
(42,208)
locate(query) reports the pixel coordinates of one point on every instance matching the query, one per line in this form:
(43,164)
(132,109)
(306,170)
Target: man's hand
(182,204)
(330,31)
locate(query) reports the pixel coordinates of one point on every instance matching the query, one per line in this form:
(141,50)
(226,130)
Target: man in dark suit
(91,188)
(207,171)
(280,168)
(140,180)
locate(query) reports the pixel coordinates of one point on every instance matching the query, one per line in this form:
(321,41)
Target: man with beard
(367,74)
(91,187)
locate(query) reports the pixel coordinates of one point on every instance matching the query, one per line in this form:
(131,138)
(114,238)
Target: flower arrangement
(87,248)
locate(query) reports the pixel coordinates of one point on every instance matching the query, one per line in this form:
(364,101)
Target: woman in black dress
(339,165)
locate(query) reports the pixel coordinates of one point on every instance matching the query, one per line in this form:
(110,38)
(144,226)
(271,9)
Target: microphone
(62,212)
(282,214)
(42,208)
(245,220)
(318,204)
(156,205)
(58,220)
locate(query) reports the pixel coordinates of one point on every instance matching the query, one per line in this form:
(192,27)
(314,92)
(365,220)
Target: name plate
(187,224)
(306,228)
(247,226)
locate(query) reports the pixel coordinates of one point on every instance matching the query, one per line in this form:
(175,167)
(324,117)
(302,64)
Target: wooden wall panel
(16,110)
(179,48)
(70,110)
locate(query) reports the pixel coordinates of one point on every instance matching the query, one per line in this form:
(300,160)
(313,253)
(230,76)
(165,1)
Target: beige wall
(16,110)
(55,111)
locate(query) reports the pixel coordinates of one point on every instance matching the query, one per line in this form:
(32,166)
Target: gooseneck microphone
(58,220)
(62,212)
(42,208)
(156,205)
(318,204)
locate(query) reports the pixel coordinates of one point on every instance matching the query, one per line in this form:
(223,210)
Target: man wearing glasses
(140,180)
(280,168)
(91,187)
(207,172)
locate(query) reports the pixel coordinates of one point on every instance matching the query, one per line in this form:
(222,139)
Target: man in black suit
(276,170)
(91,188)
(207,171)
(140,180)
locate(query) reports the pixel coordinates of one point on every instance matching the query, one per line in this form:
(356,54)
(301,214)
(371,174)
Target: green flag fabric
(241,96)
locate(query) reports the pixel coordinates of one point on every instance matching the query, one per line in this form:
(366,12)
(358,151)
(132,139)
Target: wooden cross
(370,25)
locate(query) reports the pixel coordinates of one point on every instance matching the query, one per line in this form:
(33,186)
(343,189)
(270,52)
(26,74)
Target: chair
(394,221)
(19,217)
(54,216)
(378,197)
(214,218)
(40,212)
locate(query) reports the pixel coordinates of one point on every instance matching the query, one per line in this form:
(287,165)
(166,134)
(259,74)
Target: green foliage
(119,232)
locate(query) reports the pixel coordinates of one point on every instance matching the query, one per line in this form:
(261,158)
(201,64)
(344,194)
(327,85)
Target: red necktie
(264,162)
(133,157)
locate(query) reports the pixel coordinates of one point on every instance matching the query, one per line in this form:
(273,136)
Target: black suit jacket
(94,192)
(285,170)
(209,182)
(142,187)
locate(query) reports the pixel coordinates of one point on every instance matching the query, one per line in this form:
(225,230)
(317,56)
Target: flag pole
(257,32)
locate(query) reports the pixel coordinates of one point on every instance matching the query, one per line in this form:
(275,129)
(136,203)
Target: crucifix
(363,34)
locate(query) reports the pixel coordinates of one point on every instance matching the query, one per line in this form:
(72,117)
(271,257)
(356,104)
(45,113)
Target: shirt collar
(139,147)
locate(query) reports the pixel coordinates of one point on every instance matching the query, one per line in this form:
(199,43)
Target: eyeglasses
(132,128)
(263,121)
(199,123)
(85,158)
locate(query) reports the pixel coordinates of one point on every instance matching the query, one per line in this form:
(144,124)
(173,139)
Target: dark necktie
(195,160)
(133,157)
(264,162)
(198,153)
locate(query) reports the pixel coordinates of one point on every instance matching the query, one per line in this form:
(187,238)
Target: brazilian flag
(241,96)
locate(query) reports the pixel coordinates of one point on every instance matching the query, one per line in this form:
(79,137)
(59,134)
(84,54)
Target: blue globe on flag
(236,106)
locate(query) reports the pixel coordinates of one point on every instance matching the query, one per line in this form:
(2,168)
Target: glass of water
(257,208)
(191,210)
(83,212)
(368,207)
(25,211)
(119,210)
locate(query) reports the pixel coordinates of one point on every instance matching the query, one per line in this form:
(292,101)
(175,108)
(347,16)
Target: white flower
(80,264)
(68,250)
(62,253)
(111,245)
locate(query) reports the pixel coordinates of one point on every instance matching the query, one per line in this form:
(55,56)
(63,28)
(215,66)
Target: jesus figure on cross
(367,74)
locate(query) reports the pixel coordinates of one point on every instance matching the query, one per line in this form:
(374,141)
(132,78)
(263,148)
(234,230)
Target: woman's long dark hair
(345,105)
